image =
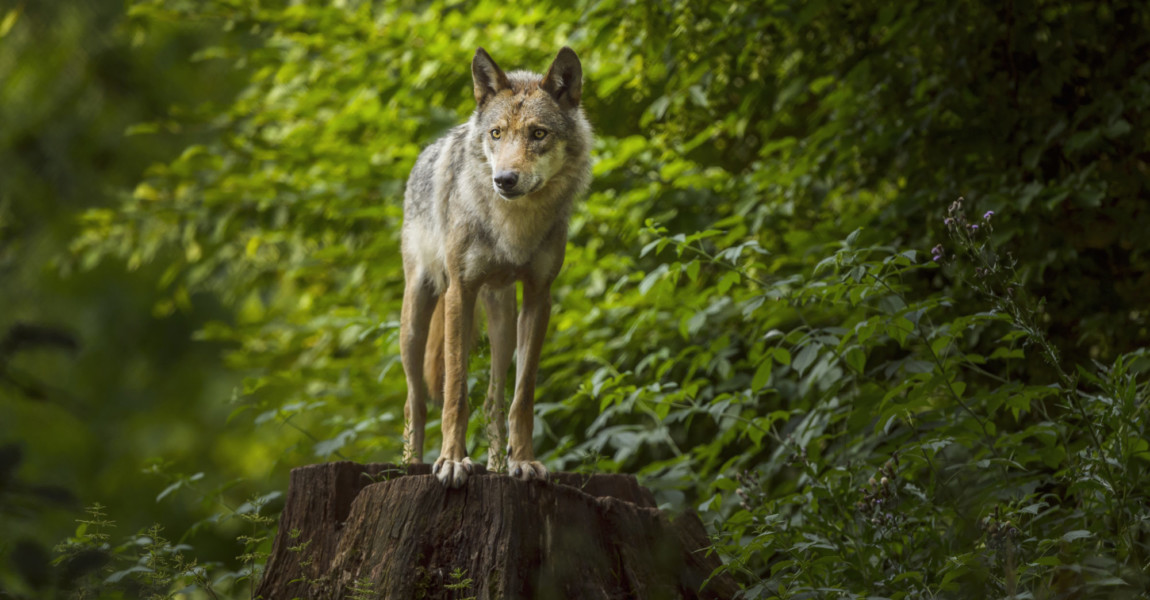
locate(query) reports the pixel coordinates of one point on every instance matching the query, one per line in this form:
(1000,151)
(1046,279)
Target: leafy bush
(926,468)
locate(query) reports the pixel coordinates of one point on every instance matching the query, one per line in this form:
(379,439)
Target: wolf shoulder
(433,171)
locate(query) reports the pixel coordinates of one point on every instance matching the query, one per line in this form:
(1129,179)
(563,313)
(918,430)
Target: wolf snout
(506,180)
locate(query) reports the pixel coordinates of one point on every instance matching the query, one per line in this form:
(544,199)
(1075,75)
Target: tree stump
(387,531)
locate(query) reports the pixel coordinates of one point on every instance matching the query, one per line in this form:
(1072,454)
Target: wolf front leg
(533,322)
(453,466)
(419,299)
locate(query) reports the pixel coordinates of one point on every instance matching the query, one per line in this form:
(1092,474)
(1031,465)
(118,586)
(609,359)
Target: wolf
(486,206)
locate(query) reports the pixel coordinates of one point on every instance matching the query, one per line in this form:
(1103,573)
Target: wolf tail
(433,357)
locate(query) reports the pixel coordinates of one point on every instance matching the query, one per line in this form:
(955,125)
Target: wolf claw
(452,473)
(528,470)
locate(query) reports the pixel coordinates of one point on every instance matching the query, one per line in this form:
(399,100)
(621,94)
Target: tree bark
(385,531)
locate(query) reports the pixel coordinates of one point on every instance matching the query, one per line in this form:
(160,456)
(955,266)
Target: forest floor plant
(156,568)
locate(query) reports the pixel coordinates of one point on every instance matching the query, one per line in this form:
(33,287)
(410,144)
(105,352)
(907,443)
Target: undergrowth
(940,459)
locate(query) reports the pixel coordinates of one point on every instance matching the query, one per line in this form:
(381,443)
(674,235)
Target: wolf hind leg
(433,356)
(419,300)
(500,306)
(453,466)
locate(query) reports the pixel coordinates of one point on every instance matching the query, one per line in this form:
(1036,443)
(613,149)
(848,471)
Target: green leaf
(915,575)
(728,279)
(1076,534)
(651,279)
(693,270)
(168,490)
(899,328)
(952,574)
(806,357)
(856,359)
(918,366)
(1118,129)
(762,375)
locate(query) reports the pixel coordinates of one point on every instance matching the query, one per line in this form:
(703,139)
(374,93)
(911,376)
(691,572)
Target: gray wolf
(488,205)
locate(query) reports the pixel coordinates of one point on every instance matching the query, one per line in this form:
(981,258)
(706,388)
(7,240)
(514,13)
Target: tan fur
(487,206)
(434,357)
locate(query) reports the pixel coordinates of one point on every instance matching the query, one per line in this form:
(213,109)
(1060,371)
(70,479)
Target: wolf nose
(505,180)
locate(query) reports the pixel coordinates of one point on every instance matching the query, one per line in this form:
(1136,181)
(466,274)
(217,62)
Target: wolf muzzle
(505,181)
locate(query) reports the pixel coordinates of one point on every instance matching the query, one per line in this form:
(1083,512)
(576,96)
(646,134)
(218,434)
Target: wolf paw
(527,470)
(452,473)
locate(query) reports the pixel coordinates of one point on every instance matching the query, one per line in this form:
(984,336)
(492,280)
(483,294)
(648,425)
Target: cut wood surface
(385,531)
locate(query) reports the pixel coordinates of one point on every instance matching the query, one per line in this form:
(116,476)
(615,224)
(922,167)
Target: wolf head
(527,125)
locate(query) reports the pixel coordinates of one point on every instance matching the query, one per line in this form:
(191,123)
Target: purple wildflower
(936,253)
(974,228)
(988,215)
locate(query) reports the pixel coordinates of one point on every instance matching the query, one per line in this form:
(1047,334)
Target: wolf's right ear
(564,80)
(489,79)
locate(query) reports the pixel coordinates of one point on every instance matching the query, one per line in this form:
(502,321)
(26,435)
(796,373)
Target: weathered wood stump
(387,531)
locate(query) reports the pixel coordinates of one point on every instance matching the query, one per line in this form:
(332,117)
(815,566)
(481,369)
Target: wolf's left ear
(564,80)
(489,79)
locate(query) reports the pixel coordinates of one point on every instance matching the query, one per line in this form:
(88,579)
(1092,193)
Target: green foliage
(159,569)
(92,384)
(460,583)
(988,485)
(747,317)
(362,589)
(256,542)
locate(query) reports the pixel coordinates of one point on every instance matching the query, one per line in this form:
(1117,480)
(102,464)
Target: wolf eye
(495,133)
(540,134)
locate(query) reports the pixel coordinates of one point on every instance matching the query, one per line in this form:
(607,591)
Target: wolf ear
(488,77)
(564,80)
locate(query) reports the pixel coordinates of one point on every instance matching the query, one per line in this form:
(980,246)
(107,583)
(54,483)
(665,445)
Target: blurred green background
(200,278)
